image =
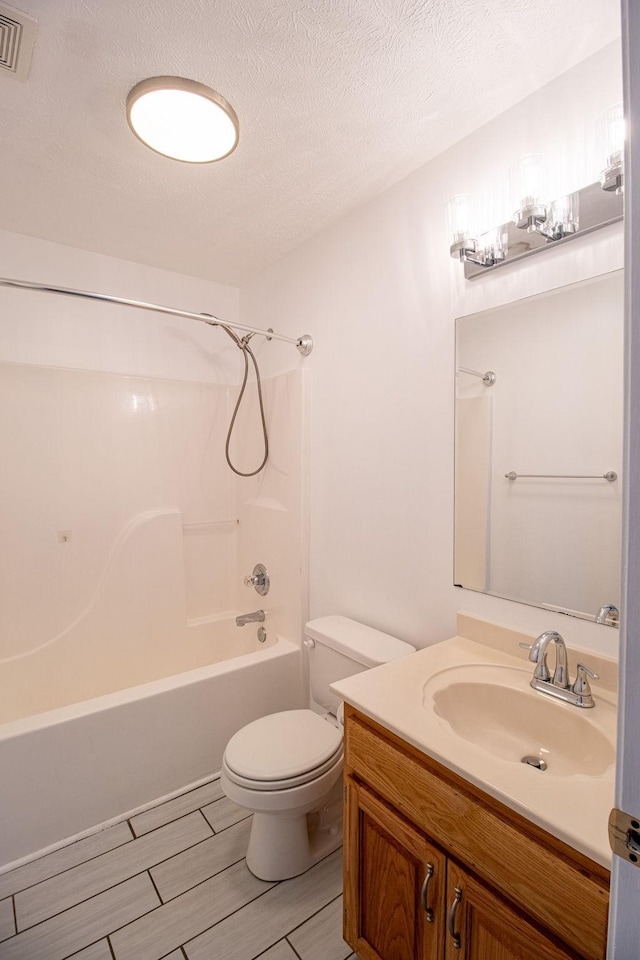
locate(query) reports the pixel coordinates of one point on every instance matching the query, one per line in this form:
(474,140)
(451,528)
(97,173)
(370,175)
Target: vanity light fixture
(182,119)
(538,220)
(568,217)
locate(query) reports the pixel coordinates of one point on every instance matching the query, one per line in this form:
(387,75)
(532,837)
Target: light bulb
(459,218)
(528,189)
(492,246)
(563,218)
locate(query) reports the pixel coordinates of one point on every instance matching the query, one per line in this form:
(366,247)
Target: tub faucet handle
(259,579)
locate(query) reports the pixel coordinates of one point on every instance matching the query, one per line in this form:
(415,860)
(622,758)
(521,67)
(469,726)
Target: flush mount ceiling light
(182,119)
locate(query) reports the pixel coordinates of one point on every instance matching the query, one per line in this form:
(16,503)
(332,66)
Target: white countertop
(573,808)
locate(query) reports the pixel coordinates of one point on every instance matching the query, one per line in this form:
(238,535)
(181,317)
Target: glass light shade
(611,135)
(528,181)
(564,216)
(460,225)
(493,246)
(182,119)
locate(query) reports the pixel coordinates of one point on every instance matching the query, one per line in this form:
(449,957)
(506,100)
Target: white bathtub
(67,769)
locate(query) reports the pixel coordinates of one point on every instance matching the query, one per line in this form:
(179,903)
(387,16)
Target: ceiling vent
(17,37)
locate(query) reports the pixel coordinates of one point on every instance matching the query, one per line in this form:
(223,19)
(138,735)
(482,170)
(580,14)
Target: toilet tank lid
(363,644)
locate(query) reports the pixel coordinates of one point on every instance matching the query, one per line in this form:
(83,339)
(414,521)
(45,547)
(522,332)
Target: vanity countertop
(575,808)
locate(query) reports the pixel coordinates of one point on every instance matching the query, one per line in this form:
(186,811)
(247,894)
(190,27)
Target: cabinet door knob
(425,892)
(452,918)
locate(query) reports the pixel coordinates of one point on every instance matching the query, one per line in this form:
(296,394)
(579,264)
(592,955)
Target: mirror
(539,423)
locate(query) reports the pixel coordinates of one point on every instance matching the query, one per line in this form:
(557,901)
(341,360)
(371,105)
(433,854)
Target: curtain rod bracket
(304,344)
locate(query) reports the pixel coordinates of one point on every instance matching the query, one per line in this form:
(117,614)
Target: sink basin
(494,708)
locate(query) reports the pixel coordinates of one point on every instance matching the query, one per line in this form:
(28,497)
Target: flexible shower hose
(243,345)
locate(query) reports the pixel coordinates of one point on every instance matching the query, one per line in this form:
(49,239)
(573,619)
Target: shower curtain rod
(304,343)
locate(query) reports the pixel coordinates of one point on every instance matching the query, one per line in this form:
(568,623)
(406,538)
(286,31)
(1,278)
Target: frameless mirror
(538,498)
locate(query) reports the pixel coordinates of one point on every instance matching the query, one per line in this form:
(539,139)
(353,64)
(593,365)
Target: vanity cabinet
(437,870)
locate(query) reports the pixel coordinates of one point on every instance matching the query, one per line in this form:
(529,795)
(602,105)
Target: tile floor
(168,884)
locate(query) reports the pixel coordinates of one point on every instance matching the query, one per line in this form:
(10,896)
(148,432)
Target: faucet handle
(590,673)
(259,579)
(525,646)
(581,685)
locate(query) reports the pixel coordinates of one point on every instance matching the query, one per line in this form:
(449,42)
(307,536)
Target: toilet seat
(274,785)
(282,751)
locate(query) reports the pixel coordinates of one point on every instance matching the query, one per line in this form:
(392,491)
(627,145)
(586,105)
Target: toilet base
(281,847)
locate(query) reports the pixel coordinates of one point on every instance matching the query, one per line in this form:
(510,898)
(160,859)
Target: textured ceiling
(337,100)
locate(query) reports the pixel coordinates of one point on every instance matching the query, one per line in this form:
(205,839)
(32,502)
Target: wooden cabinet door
(394,884)
(480,926)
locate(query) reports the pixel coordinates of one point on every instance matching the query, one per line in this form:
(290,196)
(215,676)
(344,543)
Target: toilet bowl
(287,767)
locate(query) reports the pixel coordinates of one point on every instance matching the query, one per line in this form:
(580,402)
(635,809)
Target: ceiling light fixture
(182,119)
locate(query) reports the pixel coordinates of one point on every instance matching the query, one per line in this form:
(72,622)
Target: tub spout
(256,617)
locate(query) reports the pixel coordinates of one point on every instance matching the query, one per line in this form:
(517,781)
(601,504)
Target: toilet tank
(339,647)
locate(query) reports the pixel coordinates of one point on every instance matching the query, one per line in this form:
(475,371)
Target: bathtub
(67,768)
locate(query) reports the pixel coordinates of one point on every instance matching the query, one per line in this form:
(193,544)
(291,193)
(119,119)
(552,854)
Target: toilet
(286,768)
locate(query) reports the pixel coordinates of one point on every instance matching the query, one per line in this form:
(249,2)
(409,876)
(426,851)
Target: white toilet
(287,767)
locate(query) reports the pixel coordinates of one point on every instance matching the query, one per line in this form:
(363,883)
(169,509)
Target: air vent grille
(17,36)
(10,31)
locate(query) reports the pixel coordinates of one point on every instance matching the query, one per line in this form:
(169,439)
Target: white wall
(380,293)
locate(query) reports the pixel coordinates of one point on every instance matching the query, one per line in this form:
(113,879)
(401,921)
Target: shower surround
(121,668)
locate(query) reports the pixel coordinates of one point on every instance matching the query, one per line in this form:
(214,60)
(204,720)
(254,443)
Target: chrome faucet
(558,686)
(608,614)
(256,617)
